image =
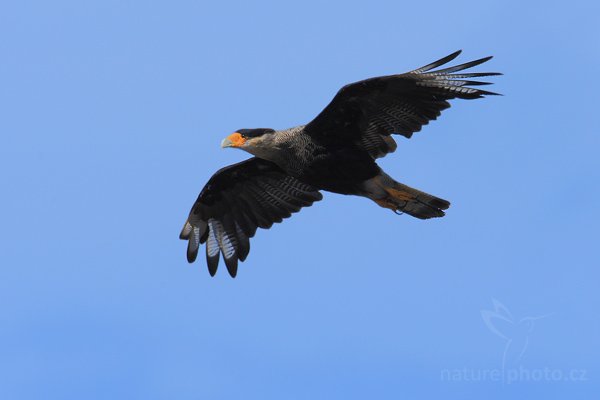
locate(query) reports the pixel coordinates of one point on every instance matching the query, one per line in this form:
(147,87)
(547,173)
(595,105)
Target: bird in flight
(335,152)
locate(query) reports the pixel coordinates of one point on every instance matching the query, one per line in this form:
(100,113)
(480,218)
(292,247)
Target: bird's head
(254,141)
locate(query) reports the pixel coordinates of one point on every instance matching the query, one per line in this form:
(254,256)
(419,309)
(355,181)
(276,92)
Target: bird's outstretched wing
(369,111)
(236,201)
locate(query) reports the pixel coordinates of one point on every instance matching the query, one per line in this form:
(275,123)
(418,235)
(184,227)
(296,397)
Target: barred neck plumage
(291,149)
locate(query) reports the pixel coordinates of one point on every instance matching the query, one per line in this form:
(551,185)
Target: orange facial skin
(236,139)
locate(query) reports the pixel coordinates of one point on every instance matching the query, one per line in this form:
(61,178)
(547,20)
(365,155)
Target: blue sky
(112,115)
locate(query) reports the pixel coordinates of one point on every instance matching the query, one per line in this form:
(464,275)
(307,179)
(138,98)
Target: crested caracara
(335,152)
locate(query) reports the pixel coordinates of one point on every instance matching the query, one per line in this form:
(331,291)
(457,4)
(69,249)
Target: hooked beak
(233,140)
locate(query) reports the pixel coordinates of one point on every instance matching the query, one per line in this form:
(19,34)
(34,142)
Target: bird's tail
(401,198)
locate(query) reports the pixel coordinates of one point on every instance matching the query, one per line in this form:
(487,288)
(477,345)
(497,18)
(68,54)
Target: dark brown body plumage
(335,152)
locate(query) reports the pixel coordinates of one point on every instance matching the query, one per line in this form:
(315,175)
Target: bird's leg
(388,202)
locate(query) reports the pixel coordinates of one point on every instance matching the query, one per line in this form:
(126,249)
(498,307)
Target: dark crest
(250,133)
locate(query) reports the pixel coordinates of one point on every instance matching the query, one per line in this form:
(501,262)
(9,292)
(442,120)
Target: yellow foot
(385,203)
(399,195)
